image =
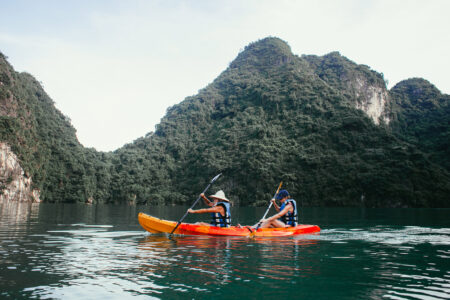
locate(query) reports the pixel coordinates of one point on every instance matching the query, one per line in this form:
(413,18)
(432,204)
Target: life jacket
(219,220)
(291,217)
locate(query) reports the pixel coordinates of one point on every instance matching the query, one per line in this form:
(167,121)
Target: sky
(114,67)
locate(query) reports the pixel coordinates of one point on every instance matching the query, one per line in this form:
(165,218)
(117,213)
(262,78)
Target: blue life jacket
(219,220)
(291,217)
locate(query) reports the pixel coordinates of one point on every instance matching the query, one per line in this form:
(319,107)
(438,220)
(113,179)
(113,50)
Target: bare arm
(214,209)
(286,209)
(206,200)
(277,208)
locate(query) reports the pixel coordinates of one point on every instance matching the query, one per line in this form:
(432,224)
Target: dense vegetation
(45,140)
(270,116)
(422,118)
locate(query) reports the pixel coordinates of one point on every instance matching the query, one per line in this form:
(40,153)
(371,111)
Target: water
(57,251)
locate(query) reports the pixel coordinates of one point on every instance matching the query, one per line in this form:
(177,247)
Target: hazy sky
(114,67)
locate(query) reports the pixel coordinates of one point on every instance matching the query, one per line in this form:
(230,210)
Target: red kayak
(156,225)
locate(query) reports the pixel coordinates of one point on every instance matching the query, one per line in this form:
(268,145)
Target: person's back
(290,218)
(219,219)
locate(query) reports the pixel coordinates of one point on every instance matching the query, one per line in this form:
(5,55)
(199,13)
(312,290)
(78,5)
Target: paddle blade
(215,178)
(279,187)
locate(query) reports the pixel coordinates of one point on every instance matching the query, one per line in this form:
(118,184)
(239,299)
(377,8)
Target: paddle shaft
(270,205)
(267,211)
(192,206)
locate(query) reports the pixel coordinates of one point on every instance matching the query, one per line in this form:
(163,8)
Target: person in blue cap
(287,212)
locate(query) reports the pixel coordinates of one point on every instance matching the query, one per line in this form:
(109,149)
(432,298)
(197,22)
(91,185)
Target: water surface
(69,251)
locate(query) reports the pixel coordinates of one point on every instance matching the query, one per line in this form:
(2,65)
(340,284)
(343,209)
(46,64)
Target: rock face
(372,100)
(365,87)
(14,184)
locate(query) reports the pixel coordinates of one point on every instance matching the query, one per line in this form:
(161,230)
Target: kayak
(156,225)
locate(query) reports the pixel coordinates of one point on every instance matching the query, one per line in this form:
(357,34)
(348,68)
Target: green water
(57,251)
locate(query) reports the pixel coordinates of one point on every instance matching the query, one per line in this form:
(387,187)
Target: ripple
(57,259)
(387,235)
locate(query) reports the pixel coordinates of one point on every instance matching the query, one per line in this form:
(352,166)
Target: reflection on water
(224,259)
(87,252)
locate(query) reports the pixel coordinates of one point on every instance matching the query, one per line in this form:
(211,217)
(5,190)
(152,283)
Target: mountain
(60,168)
(326,126)
(422,118)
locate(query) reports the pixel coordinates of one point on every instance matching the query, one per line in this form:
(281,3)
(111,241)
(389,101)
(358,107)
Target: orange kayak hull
(156,225)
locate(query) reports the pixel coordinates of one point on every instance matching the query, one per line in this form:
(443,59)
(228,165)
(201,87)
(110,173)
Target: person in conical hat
(220,196)
(219,209)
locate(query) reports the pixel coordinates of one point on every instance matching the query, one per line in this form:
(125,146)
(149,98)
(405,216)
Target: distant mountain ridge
(326,126)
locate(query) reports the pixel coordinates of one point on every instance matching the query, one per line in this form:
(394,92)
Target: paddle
(265,214)
(182,218)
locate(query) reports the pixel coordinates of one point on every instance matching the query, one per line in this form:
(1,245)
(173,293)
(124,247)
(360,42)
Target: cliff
(44,140)
(365,88)
(16,186)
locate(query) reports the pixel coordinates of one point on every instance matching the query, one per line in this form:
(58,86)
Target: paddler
(287,212)
(219,209)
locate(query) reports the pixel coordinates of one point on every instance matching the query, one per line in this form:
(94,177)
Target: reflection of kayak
(155,225)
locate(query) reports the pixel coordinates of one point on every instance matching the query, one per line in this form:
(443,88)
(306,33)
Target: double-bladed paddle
(182,218)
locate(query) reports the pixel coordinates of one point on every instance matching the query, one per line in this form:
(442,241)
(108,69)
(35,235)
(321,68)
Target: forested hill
(324,125)
(44,140)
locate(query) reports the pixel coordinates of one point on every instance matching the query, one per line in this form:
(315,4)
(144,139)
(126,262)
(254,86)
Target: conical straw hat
(220,195)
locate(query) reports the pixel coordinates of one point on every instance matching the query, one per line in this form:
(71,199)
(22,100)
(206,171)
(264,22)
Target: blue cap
(282,194)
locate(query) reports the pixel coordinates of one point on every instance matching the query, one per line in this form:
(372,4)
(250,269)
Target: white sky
(114,67)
